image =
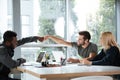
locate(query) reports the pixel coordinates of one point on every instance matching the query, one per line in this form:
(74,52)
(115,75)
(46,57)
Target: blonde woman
(109,55)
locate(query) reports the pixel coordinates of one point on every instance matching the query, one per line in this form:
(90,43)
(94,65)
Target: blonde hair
(107,39)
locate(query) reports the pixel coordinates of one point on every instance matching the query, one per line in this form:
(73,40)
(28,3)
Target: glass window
(41,17)
(95,16)
(25,20)
(49,17)
(30,54)
(5,16)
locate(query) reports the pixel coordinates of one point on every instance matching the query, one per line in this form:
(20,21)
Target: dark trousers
(7,78)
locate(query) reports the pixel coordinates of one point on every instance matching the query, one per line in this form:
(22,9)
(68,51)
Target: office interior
(62,18)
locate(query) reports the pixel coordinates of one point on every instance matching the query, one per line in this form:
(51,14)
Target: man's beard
(11,46)
(81,43)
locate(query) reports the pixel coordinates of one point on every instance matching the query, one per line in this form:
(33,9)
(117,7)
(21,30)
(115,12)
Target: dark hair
(8,36)
(86,35)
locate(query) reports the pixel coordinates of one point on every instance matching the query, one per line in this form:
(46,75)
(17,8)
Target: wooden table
(69,71)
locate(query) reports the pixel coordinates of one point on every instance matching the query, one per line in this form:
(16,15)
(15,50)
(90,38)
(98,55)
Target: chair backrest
(94,78)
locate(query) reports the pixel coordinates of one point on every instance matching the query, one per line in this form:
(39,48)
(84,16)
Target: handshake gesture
(41,39)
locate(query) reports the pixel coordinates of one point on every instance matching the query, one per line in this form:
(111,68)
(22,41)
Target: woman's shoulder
(114,48)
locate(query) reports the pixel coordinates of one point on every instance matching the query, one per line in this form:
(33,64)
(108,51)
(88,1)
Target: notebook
(40,56)
(58,55)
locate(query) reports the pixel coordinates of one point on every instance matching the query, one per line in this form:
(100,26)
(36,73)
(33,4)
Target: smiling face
(81,40)
(84,37)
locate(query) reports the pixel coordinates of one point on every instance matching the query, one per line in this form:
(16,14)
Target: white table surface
(69,71)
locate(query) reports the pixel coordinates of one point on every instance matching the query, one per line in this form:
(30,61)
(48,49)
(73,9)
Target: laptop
(40,56)
(58,55)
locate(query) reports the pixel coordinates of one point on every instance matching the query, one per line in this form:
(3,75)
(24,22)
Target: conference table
(68,71)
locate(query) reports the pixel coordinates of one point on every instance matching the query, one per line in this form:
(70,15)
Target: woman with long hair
(109,55)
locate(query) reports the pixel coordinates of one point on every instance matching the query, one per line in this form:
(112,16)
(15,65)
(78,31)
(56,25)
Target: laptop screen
(58,55)
(40,56)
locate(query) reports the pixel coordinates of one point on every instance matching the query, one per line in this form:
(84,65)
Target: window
(5,16)
(95,16)
(41,17)
(50,17)
(61,18)
(25,20)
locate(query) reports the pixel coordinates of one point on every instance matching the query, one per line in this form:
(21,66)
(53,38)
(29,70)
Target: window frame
(17,22)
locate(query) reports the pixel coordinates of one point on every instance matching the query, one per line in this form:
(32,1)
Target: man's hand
(21,60)
(46,37)
(73,60)
(41,39)
(86,62)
